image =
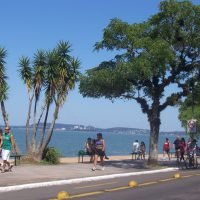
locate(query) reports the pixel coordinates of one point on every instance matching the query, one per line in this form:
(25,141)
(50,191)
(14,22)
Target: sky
(29,25)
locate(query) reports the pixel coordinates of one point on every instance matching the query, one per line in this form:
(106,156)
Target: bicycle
(191,160)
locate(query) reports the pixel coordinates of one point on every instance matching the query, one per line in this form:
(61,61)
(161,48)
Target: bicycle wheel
(195,163)
(187,163)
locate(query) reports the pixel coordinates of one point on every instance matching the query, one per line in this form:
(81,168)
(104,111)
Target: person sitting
(136,148)
(89,148)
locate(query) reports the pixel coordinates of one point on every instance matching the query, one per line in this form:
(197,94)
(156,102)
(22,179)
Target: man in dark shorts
(166,148)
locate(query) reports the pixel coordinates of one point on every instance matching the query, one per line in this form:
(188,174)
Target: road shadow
(138,164)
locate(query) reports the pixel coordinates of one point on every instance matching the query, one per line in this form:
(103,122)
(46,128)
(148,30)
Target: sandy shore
(87,158)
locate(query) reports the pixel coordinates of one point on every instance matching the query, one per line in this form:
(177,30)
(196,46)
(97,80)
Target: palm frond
(25,71)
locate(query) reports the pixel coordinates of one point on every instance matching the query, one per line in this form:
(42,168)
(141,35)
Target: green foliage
(51,75)
(3,78)
(150,56)
(51,155)
(190,108)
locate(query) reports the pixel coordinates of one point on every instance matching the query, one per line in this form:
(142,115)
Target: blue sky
(28,25)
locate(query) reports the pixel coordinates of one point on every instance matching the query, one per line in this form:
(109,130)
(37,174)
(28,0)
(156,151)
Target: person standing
(177,145)
(166,148)
(142,150)
(99,151)
(7,143)
(182,149)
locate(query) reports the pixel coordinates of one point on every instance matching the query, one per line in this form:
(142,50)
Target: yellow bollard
(132,184)
(62,195)
(177,175)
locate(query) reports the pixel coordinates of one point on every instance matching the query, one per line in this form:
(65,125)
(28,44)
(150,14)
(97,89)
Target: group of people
(181,147)
(6,146)
(139,149)
(96,148)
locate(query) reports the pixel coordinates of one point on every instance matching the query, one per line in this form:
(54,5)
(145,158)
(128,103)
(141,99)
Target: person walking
(176,144)
(99,151)
(182,149)
(7,143)
(166,148)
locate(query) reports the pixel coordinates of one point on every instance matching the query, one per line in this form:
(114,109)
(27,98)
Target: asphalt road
(155,186)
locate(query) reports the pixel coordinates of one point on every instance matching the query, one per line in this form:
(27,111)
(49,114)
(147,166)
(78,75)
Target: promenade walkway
(27,176)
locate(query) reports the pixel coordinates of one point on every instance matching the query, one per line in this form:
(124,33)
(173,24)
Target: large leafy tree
(151,57)
(48,79)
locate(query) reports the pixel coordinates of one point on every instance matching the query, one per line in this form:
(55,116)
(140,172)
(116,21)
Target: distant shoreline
(83,128)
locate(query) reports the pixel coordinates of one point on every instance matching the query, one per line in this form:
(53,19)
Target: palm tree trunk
(4,114)
(50,131)
(44,126)
(34,127)
(28,147)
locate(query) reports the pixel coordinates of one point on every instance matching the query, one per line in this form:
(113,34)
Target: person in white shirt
(136,148)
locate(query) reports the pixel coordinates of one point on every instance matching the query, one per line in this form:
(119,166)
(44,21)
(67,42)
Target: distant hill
(79,127)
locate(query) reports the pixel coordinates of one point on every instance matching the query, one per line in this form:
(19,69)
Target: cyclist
(192,151)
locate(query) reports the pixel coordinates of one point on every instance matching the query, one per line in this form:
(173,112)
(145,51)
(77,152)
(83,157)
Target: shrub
(51,155)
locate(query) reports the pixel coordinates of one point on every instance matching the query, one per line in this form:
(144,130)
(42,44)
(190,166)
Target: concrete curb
(80,180)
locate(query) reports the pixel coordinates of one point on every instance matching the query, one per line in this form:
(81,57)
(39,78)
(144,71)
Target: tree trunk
(154,120)
(37,155)
(44,127)
(50,131)
(5,116)
(34,127)
(28,147)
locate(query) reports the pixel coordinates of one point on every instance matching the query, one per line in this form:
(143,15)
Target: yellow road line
(122,188)
(148,183)
(86,194)
(88,186)
(187,176)
(168,179)
(116,189)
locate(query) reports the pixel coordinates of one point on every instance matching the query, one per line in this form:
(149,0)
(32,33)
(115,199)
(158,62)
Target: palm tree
(25,72)
(52,75)
(3,85)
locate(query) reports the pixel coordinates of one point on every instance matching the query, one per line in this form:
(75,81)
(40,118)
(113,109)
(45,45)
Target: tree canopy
(150,57)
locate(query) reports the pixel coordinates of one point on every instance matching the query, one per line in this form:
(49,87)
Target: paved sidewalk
(26,174)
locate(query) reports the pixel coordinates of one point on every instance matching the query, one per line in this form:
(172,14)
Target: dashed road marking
(102,184)
(148,183)
(127,187)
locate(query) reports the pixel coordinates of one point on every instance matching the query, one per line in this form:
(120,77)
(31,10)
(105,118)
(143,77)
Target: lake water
(70,142)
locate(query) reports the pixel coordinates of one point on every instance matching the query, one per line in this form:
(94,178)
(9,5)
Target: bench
(136,154)
(81,155)
(16,158)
